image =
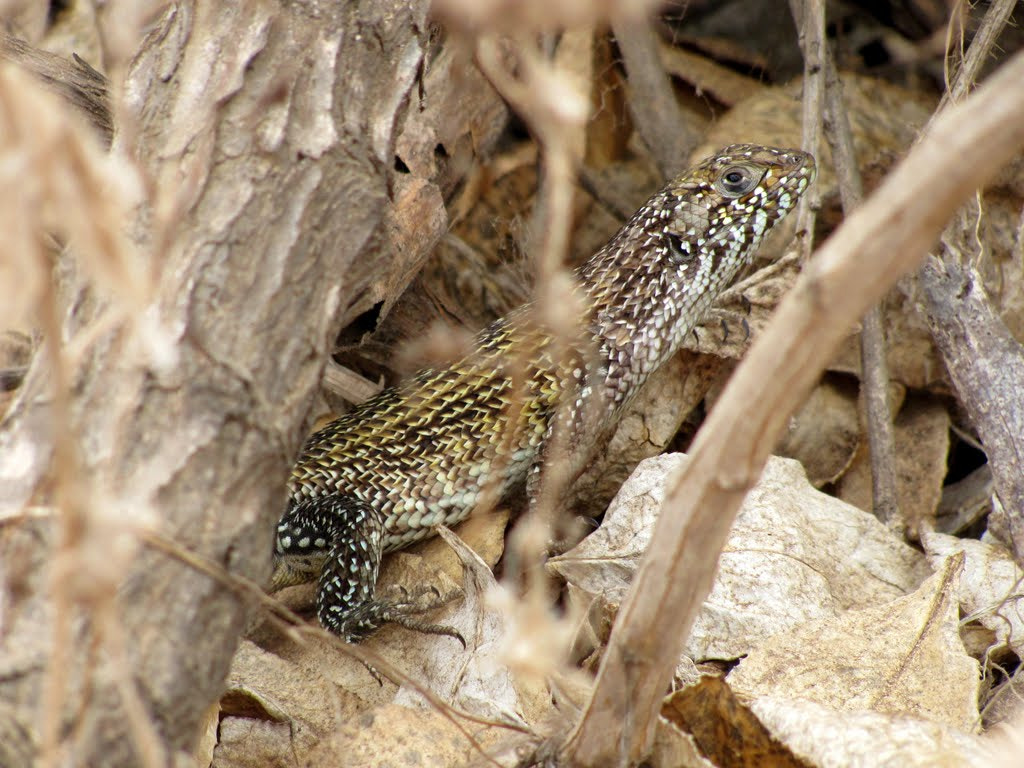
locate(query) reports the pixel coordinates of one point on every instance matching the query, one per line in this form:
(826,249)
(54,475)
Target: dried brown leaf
(827,737)
(903,657)
(395,735)
(922,445)
(726,731)
(825,433)
(794,554)
(991,589)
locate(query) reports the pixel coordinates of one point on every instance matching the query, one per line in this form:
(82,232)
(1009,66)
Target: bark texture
(267,133)
(986,365)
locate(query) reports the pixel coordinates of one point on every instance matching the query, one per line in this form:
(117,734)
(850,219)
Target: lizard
(449,440)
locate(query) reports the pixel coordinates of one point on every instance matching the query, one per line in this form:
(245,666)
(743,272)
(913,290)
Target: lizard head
(657,278)
(724,206)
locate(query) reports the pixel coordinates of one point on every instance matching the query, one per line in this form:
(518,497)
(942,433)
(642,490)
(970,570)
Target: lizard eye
(737,180)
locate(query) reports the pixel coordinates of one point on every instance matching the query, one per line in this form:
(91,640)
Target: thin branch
(809,16)
(984,361)
(986,365)
(882,240)
(72,522)
(348,384)
(556,112)
(981,48)
(874,368)
(656,114)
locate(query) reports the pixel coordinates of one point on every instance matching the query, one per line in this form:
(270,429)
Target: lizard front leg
(339,540)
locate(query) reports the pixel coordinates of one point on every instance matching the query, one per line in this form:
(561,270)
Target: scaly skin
(448,441)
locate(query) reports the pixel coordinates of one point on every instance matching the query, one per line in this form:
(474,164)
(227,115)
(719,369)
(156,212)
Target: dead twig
(874,368)
(348,384)
(981,48)
(986,365)
(552,105)
(658,119)
(809,16)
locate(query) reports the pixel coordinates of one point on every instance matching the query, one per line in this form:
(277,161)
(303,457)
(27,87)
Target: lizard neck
(646,297)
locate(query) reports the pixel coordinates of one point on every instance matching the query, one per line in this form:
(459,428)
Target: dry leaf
(284,697)
(991,588)
(903,657)
(725,730)
(413,225)
(274,706)
(459,115)
(910,355)
(1005,706)
(824,434)
(794,554)
(313,702)
(675,748)
(884,120)
(476,678)
(398,736)
(921,432)
(831,739)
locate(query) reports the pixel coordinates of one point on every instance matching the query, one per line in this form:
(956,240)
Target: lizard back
(425,452)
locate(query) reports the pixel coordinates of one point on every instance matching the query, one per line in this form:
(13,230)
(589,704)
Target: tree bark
(266,132)
(985,364)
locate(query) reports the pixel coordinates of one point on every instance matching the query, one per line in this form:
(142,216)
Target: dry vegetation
(223,221)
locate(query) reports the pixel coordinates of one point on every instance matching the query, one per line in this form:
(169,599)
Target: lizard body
(449,440)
